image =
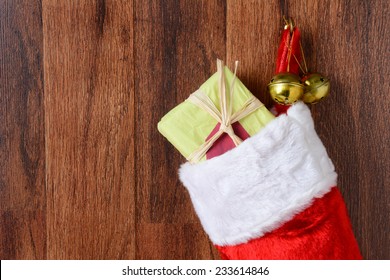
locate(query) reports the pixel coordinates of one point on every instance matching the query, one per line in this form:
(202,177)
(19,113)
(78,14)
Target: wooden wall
(84,173)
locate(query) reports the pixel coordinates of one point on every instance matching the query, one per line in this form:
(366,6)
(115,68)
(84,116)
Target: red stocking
(274,196)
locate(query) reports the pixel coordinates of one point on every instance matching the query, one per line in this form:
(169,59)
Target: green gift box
(187,126)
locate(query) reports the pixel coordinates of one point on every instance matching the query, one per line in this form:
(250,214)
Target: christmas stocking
(274,196)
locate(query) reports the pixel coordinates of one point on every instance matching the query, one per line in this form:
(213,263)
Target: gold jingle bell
(286,88)
(316,88)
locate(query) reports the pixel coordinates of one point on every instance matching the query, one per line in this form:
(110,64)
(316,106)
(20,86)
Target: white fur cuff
(262,183)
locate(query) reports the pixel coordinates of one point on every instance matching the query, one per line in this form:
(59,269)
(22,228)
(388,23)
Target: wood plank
(89,119)
(252,37)
(356,115)
(345,41)
(22,139)
(174,241)
(176,47)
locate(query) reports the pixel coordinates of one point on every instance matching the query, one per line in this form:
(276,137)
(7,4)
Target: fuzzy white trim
(262,183)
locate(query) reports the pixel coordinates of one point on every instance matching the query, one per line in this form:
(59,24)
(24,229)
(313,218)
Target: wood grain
(22,133)
(355,60)
(89,129)
(84,174)
(177,44)
(252,38)
(336,45)
(366,187)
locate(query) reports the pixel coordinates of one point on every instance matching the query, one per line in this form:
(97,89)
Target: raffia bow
(226,117)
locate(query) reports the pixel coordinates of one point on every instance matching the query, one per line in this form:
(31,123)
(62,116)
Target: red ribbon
(288,48)
(286,62)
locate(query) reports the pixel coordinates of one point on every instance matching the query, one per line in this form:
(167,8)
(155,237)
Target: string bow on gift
(226,117)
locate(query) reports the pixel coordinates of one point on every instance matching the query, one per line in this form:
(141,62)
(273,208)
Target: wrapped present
(215,118)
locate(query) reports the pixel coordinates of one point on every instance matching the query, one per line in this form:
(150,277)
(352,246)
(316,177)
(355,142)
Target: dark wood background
(84,173)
